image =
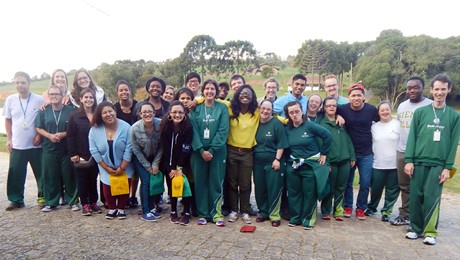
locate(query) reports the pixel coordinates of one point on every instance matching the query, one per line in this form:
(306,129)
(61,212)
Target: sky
(41,36)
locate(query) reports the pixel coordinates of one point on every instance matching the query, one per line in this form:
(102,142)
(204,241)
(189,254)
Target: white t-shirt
(385,138)
(22,119)
(405,113)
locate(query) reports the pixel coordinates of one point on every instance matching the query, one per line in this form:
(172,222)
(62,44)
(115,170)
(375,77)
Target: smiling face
(330,86)
(177,114)
(168,95)
(193,85)
(330,107)
(60,81)
(155,89)
(185,99)
(314,104)
(271,90)
(236,84)
(123,92)
(439,91)
(83,80)
(245,96)
(55,95)
(109,115)
(298,87)
(385,112)
(209,91)
(223,92)
(295,114)
(87,100)
(356,99)
(147,113)
(266,110)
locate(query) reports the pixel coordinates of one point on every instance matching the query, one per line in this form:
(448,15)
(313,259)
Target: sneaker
(202,222)
(185,220)
(399,221)
(360,214)
(290,224)
(326,217)
(385,218)
(429,241)
(155,213)
(47,208)
(95,208)
(339,218)
(74,207)
(111,214)
(14,206)
(233,216)
(246,218)
(86,210)
(225,212)
(276,223)
(121,214)
(220,223)
(148,217)
(368,212)
(173,218)
(412,235)
(347,211)
(307,227)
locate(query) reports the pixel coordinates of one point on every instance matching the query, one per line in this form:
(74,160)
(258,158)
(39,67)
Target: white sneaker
(246,218)
(429,241)
(47,209)
(412,235)
(74,208)
(233,216)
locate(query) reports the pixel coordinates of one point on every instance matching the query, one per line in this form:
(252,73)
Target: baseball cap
(356,86)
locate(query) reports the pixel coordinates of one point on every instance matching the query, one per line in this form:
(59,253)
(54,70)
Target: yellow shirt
(242,132)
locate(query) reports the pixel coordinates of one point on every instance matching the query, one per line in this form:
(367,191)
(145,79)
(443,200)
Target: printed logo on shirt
(305,135)
(435,126)
(268,134)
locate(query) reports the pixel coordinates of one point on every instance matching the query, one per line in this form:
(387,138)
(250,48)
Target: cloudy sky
(40,36)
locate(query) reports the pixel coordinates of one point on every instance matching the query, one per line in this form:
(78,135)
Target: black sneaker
(111,214)
(174,218)
(185,220)
(134,202)
(121,214)
(369,212)
(385,218)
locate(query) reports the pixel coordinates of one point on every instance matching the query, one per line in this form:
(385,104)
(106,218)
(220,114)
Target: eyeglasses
(54,94)
(146,112)
(245,93)
(193,81)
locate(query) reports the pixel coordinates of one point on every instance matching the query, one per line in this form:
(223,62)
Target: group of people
(298,150)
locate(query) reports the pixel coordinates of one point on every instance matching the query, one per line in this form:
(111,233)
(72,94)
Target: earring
(169,118)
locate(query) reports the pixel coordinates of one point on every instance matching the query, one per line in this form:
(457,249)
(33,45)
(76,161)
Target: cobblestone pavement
(29,233)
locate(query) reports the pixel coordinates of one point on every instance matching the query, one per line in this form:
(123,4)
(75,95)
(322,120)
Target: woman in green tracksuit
(269,165)
(341,157)
(210,130)
(306,169)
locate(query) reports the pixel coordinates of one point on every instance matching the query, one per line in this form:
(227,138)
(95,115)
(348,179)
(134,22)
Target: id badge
(437,136)
(25,126)
(206,134)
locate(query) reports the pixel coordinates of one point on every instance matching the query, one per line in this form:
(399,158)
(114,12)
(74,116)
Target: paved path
(30,234)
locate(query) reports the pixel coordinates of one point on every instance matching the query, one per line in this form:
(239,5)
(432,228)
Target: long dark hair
(167,124)
(82,93)
(235,104)
(97,117)
(75,92)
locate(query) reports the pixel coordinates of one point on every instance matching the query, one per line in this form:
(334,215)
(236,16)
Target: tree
(198,51)
(239,55)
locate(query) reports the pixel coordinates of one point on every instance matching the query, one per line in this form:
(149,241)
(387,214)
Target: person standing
(23,141)
(430,154)
(385,137)
(359,117)
(192,82)
(299,83)
(78,145)
(210,123)
(271,88)
(414,93)
(51,124)
(307,173)
(330,86)
(155,87)
(269,164)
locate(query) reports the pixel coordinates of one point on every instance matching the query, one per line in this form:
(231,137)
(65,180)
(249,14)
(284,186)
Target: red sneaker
(360,214)
(347,211)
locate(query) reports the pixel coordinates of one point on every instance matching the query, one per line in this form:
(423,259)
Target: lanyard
(208,116)
(27,105)
(436,119)
(56,120)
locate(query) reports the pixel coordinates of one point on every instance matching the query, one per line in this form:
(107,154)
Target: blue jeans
(364,164)
(147,201)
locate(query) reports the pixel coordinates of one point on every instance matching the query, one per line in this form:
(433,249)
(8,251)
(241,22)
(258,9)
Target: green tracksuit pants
(338,178)
(268,185)
(57,171)
(17,173)
(209,179)
(425,199)
(384,179)
(302,195)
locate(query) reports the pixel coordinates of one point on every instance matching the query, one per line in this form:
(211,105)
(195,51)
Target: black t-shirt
(358,124)
(129,118)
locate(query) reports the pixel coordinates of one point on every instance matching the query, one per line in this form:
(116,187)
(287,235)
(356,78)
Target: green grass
(3,143)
